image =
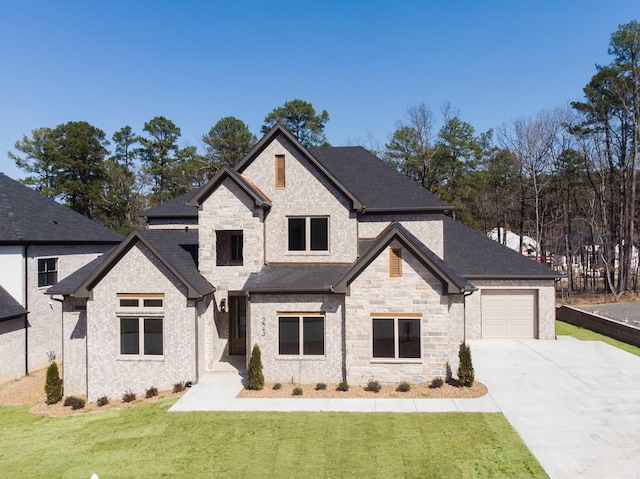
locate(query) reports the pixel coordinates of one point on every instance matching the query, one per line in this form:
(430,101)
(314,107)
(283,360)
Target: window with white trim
(396,338)
(308,233)
(140,325)
(301,335)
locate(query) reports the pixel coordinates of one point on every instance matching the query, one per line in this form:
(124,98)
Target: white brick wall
(307,193)
(140,272)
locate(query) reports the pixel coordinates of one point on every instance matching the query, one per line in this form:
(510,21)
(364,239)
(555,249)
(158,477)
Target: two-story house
(336,265)
(41,242)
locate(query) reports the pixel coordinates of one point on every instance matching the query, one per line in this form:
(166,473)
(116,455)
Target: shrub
(297,391)
(53,384)
(403,387)
(128,396)
(151,392)
(277,386)
(255,379)
(465,370)
(343,386)
(436,383)
(321,387)
(102,401)
(178,387)
(373,386)
(75,402)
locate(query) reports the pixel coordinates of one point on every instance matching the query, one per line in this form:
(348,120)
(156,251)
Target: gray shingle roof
(9,307)
(175,208)
(260,199)
(475,256)
(296,278)
(26,216)
(175,249)
(377,185)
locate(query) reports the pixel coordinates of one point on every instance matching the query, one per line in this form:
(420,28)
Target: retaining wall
(614,329)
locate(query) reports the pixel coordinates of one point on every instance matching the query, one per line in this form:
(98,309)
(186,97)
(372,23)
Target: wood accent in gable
(395,262)
(280,171)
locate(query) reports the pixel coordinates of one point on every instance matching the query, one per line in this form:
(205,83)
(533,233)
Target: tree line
(565,177)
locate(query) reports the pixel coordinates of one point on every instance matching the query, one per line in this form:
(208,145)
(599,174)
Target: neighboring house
(512,241)
(336,265)
(41,242)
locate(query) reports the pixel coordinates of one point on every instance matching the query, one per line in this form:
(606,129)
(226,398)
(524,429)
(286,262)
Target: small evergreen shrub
(151,392)
(343,386)
(321,387)
(53,384)
(277,386)
(465,370)
(102,401)
(255,378)
(436,383)
(403,387)
(128,396)
(178,387)
(75,402)
(297,391)
(373,386)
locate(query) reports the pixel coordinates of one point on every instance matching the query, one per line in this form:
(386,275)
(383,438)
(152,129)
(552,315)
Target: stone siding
(12,347)
(74,364)
(426,227)
(264,311)
(139,272)
(545,306)
(307,193)
(416,291)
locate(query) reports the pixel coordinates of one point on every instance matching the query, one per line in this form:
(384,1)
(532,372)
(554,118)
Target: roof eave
(416,209)
(328,289)
(515,276)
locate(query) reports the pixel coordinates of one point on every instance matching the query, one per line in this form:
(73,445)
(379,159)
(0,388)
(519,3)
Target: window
(229,246)
(301,335)
(47,272)
(141,334)
(280,178)
(396,338)
(140,326)
(309,234)
(395,262)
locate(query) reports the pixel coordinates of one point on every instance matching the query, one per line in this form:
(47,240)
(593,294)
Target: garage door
(508,314)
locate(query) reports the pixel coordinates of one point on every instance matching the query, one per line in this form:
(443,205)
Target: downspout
(61,301)
(196,349)
(26,307)
(464,314)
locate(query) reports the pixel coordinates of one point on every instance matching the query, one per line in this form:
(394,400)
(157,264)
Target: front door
(237,325)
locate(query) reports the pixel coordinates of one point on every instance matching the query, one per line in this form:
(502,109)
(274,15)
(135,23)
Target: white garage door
(508,314)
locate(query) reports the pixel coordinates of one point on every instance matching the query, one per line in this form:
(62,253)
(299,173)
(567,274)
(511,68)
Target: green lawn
(566,329)
(147,442)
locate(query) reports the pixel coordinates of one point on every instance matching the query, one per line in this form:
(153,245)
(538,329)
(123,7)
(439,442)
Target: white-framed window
(47,272)
(141,325)
(308,233)
(396,337)
(301,334)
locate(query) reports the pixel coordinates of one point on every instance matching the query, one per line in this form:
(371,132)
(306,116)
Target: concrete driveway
(576,404)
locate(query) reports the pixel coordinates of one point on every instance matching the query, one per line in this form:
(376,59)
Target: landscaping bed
(417,391)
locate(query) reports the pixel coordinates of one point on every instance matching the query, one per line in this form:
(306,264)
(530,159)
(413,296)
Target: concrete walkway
(576,404)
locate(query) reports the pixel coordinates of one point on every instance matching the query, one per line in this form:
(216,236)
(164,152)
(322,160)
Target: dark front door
(237,325)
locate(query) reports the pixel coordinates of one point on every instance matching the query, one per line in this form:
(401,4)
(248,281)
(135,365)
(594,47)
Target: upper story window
(395,262)
(308,233)
(280,171)
(47,272)
(229,246)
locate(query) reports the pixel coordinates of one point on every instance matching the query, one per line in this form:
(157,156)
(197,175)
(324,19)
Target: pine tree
(255,379)
(465,369)
(53,385)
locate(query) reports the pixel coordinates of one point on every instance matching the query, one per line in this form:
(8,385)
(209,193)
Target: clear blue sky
(116,63)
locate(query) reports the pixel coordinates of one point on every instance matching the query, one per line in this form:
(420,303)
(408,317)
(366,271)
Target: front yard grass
(146,441)
(566,329)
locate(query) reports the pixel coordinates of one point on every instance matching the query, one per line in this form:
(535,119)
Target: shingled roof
(26,216)
(177,250)
(9,307)
(475,256)
(377,185)
(175,208)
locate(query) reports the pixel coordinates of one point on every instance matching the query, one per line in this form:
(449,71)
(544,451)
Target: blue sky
(117,63)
